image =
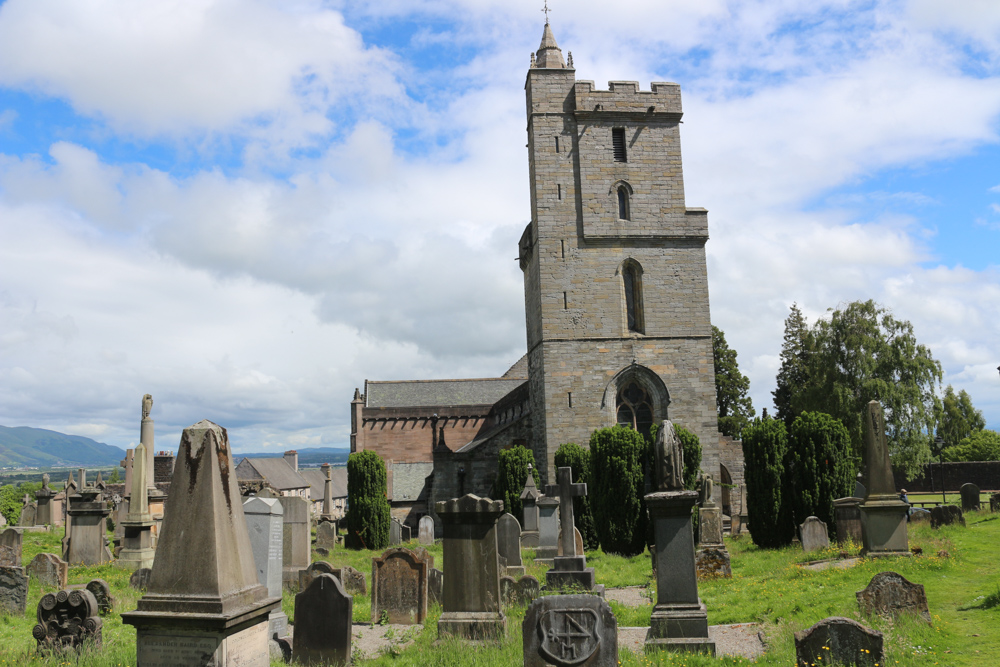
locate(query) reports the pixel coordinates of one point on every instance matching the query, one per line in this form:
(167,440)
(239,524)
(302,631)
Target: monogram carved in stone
(66,621)
(568,636)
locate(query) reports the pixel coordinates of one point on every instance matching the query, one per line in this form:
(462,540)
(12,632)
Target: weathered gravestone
(297,552)
(892,594)
(86,530)
(528,590)
(426,530)
(712,563)
(569,570)
(352,580)
(137,529)
(43,497)
(883,514)
(509,543)
(711,557)
(471,595)
(67,621)
(266,528)
(839,641)
(847,513)
(548,530)
(577,537)
(27,513)
(435,585)
(945,515)
(570,630)
(399,587)
(679,621)
(204,603)
(315,569)
(407,534)
(327,514)
(395,533)
(102,593)
(323,623)
(10,548)
(529,499)
(813,534)
(49,569)
(508,588)
(140,579)
(326,535)
(13,590)
(970,497)
(995,502)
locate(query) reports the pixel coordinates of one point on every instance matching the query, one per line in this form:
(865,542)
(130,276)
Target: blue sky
(248,208)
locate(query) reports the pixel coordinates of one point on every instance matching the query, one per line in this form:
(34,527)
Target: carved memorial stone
(529,499)
(426,530)
(13,590)
(315,569)
(399,587)
(471,592)
(891,594)
(508,590)
(839,641)
(883,514)
(435,585)
(140,579)
(43,498)
(569,570)
(570,631)
(10,548)
(297,541)
(266,528)
(528,590)
(28,512)
(509,543)
(813,534)
(946,515)
(323,623)
(326,535)
(395,533)
(86,530)
(352,580)
(548,530)
(67,621)
(49,569)
(204,603)
(327,514)
(137,541)
(102,593)
(995,502)
(970,497)
(847,512)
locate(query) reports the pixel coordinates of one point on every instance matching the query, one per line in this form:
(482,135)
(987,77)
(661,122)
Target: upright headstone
(266,527)
(13,590)
(352,580)
(87,542)
(859,490)
(883,514)
(892,594)
(67,620)
(847,512)
(28,512)
(426,530)
(102,593)
(399,587)
(137,541)
(395,533)
(471,596)
(315,569)
(204,603)
(569,570)
(946,515)
(970,497)
(529,499)
(548,529)
(813,534)
(570,630)
(435,585)
(297,538)
(140,579)
(509,543)
(327,514)
(326,535)
(50,570)
(323,623)
(711,556)
(10,548)
(43,498)
(679,621)
(995,502)
(838,641)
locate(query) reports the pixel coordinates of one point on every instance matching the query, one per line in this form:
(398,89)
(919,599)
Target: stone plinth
(847,512)
(679,621)
(203,603)
(883,514)
(87,544)
(265,525)
(548,530)
(471,595)
(137,538)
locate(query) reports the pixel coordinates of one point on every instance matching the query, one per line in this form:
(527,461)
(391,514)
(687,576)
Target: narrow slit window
(562,247)
(565,301)
(557,144)
(632,282)
(569,395)
(618,144)
(559,189)
(623,203)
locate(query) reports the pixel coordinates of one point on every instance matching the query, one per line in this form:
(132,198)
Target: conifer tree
(819,467)
(368,512)
(731,387)
(617,457)
(794,359)
(576,457)
(512,473)
(765,447)
(691,447)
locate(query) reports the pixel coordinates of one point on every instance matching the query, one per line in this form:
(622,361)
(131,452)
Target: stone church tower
(615,281)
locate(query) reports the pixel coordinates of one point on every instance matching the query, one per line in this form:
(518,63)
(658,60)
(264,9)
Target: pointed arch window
(635,409)
(632,286)
(623,203)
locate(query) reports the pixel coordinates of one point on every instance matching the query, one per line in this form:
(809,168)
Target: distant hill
(308,457)
(26,446)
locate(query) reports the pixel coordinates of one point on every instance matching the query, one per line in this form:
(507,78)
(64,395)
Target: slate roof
(278,473)
(429,393)
(519,369)
(315,477)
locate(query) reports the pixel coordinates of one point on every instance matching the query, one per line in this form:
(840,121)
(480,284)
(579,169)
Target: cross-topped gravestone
(570,569)
(566,490)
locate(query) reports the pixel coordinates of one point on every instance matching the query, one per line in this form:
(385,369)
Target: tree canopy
(959,418)
(731,388)
(983,445)
(863,353)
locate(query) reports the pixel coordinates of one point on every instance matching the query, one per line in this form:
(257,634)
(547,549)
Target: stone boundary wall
(984,474)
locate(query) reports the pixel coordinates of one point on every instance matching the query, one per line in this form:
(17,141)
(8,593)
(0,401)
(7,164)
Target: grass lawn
(768,587)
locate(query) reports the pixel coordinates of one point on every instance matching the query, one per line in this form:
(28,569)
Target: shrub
(765,444)
(576,457)
(819,466)
(691,446)
(616,457)
(512,473)
(10,504)
(368,512)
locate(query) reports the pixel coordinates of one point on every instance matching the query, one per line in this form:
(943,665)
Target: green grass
(768,587)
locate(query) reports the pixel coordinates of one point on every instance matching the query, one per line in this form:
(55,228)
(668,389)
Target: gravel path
(630,596)
(740,640)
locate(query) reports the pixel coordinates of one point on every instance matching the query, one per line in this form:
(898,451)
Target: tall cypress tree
(616,468)
(765,446)
(792,375)
(512,473)
(368,512)
(819,467)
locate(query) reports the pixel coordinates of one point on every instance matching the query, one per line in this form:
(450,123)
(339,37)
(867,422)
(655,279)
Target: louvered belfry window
(618,144)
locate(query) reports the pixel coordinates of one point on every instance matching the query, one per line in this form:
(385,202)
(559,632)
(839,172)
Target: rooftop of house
(277,471)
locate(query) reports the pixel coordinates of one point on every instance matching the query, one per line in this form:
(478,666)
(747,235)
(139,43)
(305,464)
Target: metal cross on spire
(546,10)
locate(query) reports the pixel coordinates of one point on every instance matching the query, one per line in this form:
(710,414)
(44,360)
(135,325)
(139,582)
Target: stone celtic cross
(566,490)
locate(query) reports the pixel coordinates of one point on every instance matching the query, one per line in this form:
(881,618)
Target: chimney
(292,457)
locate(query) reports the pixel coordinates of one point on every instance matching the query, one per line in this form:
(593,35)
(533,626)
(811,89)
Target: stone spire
(549,55)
